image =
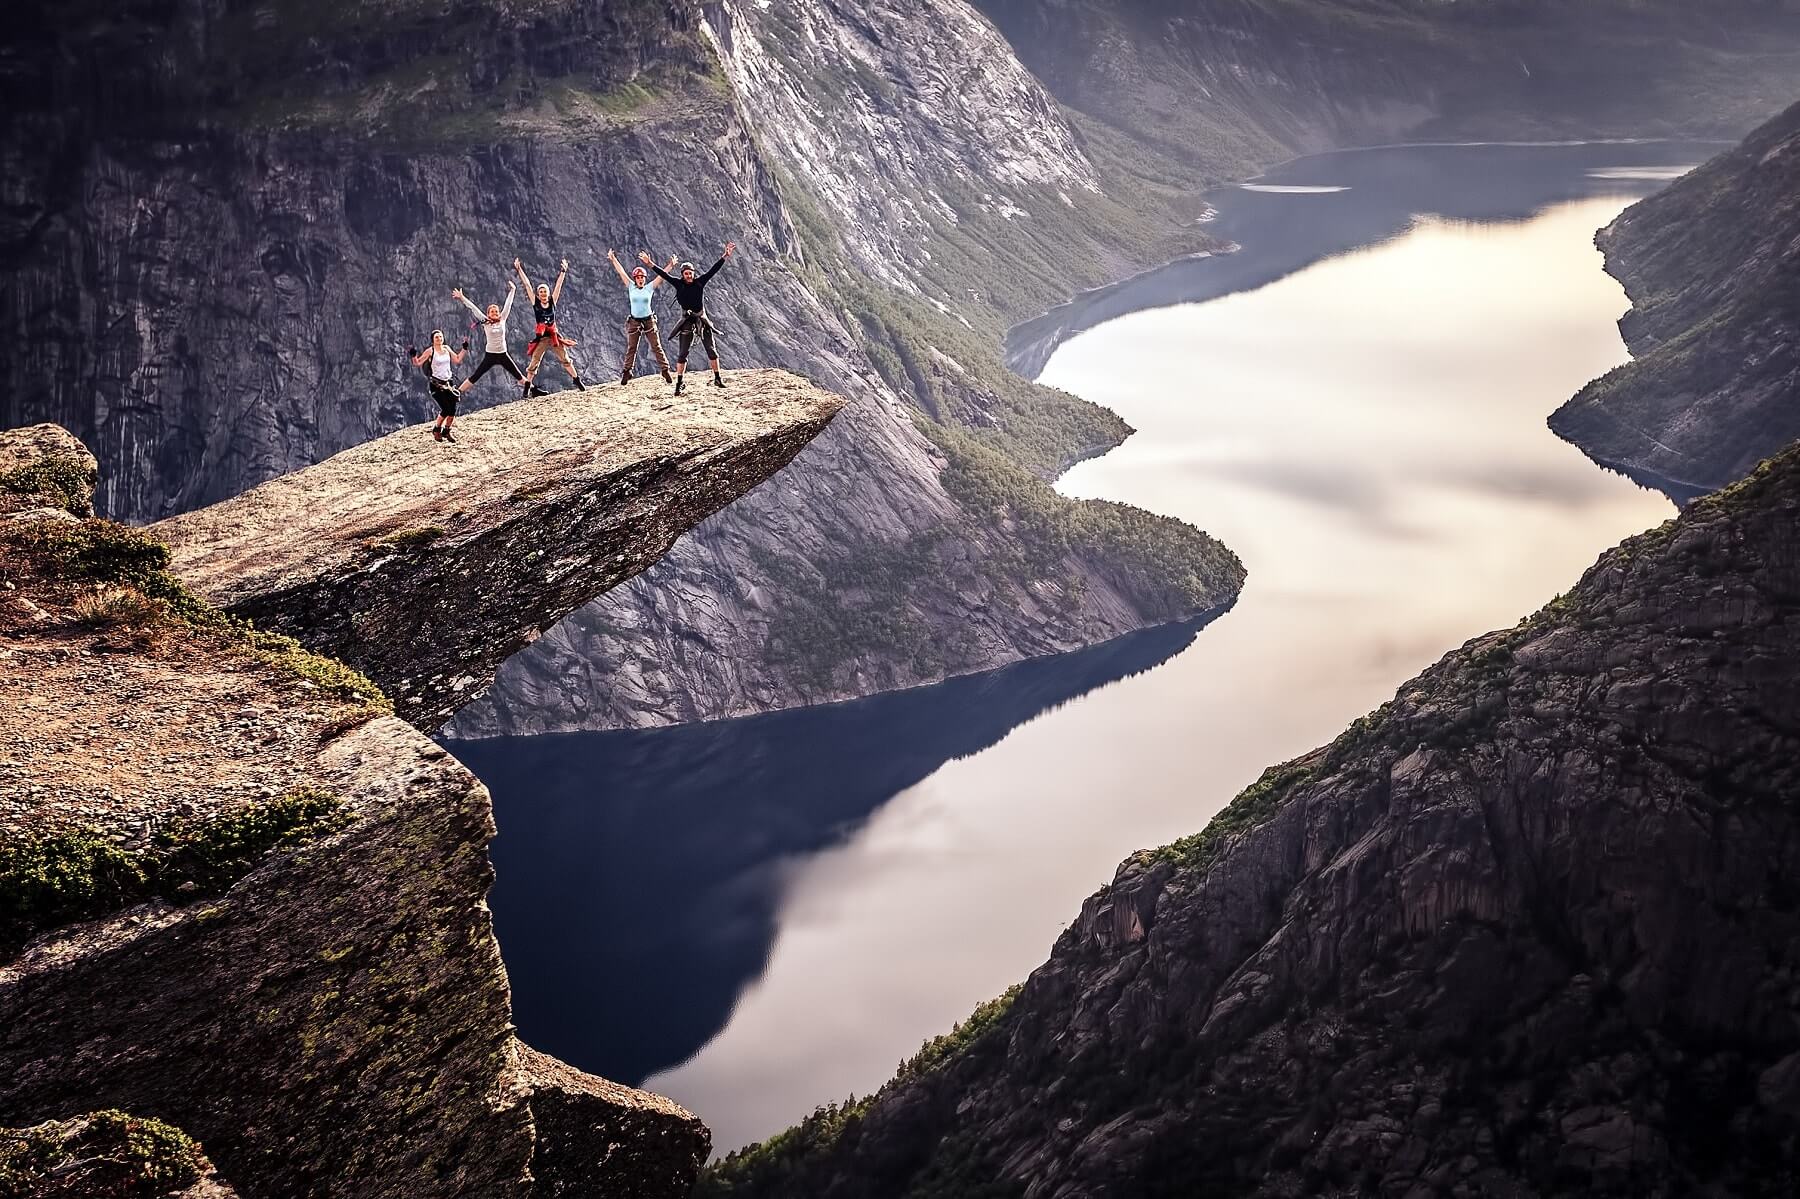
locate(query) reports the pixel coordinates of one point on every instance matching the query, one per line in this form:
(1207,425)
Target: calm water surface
(757,916)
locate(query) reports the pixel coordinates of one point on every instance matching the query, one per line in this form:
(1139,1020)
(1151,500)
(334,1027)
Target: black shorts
(446,395)
(503,361)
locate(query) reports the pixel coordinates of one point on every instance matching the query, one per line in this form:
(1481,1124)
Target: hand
(648,261)
(517,266)
(565,266)
(465,344)
(456,293)
(612,256)
(730,248)
(412,351)
(509,286)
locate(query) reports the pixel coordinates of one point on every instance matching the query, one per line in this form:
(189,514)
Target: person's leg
(712,352)
(535,358)
(562,354)
(656,347)
(487,364)
(684,342)
(633,331)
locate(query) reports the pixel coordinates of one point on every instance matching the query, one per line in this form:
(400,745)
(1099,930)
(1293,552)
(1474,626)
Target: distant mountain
(1224,87)
(1712,265)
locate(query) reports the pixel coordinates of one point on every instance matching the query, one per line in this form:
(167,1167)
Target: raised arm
(618,267)
(520,267)
(457,356)
(556,292)
(730,249)
(506,308)
(419,358)
(469,304)
(650,262)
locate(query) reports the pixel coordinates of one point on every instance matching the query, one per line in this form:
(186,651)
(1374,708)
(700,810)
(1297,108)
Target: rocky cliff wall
(1525,929)
(1712,266)
(238,896)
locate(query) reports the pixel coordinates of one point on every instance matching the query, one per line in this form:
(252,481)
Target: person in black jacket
(690,293)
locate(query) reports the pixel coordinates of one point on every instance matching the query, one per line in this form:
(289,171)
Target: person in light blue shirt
(642,322)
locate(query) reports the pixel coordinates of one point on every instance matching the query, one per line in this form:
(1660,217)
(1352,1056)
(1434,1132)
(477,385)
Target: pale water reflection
(1367,432)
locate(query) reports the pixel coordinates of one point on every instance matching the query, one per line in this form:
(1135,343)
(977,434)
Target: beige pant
(638,327)
(537,358)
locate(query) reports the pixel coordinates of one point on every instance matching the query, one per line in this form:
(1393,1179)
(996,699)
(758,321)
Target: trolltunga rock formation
(426,565)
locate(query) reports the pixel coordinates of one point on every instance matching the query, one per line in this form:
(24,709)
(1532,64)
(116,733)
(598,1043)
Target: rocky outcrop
(1711,265)
(426,564)
(237,896)
(1526,929)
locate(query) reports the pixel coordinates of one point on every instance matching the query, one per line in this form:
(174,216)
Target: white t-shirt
(495,331)
(440,364)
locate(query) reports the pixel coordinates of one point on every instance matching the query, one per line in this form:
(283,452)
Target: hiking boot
(667,377)
(437,432)
(579,385)
(718,380)
(624,378)
(449,436)
(680,380)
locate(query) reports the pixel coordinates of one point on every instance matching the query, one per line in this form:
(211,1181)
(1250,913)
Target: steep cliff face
(1227,86)
(425,565)
(1712,266)
(222,251)
(1526,929)
(236,895)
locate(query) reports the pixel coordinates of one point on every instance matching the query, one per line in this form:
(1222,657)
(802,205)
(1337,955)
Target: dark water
(760,915)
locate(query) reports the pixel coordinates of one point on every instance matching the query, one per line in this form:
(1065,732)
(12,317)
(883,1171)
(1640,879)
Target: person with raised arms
(690,293)
(493,327)
(640,288)
(546,338)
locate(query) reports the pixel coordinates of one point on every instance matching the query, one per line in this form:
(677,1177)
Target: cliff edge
(236,893)
(427,565)
(1529,928)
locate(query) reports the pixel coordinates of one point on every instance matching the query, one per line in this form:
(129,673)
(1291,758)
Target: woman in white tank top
(443,387)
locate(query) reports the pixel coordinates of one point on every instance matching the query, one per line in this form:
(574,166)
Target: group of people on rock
(689,284)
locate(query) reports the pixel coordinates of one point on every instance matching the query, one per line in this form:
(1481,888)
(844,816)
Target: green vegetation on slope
(48,882)
(757,1168)
(107,1153)
(109,570)
(67,480)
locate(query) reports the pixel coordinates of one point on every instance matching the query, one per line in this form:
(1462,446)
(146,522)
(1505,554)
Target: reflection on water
(641,873)
(807,897)
(1360,198)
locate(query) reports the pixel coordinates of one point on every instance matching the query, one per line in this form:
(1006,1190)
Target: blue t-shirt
(640,299)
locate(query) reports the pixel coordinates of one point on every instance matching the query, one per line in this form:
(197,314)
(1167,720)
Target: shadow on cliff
(1374,195)
(641,874)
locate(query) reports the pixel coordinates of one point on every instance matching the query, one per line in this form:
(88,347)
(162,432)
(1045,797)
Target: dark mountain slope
(1528,928)
(1712,265)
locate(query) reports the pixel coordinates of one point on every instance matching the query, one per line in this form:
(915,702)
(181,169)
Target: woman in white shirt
(493,327)
(443,387)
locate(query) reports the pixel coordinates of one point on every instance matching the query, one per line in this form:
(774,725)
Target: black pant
(503,360)
(692,324)
(446,395)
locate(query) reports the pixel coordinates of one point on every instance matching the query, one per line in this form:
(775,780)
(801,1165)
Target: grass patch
(64,878)
(104,1153)
(70,481)
(407,541)
(105,568)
